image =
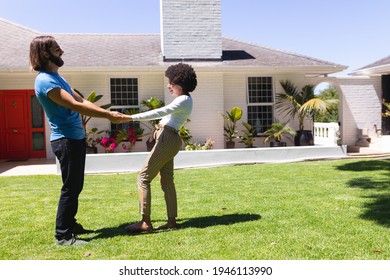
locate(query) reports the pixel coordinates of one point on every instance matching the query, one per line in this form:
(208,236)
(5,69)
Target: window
(37,127)
(124,92)
(260,103)
(124,97)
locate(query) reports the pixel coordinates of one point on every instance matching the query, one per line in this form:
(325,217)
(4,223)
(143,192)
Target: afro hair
(183,75)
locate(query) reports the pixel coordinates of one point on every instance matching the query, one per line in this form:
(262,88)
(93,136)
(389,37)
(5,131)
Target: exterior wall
(193,32)
(216,93)
(235,90)
(151,84)
(235,94)
(17,80)
(360,107)
(206,120)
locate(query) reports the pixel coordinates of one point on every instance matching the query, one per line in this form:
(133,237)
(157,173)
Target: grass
(320,210)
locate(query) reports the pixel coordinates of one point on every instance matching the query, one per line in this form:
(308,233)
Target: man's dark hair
(39,44)
(183,75)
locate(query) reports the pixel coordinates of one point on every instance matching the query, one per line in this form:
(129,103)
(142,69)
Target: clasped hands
(118,117)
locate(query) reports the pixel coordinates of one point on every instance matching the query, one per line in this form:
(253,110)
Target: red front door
(18,129)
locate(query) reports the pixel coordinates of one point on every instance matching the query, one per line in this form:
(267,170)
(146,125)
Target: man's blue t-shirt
(63,121)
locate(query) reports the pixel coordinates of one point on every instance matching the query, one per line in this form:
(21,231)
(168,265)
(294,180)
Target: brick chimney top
(191,30)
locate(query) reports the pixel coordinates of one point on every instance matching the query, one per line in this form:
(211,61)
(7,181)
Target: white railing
(326,133)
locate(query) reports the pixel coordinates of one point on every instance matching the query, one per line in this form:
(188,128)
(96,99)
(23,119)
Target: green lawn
(319,210)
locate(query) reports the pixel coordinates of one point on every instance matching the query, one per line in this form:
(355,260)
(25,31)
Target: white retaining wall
(132,162)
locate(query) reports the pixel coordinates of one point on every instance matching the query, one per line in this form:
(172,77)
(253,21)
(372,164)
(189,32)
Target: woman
(182,81)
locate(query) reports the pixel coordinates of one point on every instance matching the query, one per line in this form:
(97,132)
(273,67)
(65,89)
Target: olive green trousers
(160,161)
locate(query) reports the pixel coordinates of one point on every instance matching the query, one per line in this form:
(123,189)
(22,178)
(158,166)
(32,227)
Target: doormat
(19,159)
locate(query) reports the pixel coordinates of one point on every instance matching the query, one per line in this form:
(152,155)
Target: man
(63,107)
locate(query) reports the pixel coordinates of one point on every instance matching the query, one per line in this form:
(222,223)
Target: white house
(128,68)
(363,95)
(380,71)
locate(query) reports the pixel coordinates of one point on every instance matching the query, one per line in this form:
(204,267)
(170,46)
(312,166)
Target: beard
(57,60)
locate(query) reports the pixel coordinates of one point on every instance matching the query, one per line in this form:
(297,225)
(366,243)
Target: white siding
(10,81)
(206,120)
(149,84)
(210,99)
(216,93)
(87,82)
(235,91)
(361,107)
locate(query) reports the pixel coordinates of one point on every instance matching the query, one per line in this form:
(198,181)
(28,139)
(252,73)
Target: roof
(94,52)
(380,67)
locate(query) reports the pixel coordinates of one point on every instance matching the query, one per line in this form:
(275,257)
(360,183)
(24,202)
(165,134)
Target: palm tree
(333,116)
(249,136)
(301,104)
(278,130)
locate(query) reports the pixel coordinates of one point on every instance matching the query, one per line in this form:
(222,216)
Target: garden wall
(132,162)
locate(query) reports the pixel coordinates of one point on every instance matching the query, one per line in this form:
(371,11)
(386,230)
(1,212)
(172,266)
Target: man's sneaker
(79,229)
(73,241)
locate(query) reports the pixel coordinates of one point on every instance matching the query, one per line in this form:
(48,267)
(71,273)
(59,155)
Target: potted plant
(230,126)
(248,138)
(185,134)
(152,103)
(92,140)
(108,143)
(138,130)
(386,113)
(276,132)
(208,145)
(301,104)
(92,97)
(126,138)
(139,133)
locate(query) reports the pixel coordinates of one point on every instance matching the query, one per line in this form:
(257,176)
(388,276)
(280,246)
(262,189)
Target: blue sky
(351,33)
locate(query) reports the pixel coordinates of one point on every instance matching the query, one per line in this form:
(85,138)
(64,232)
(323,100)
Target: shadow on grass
(366,165)
(378,209)
(209,221)
(378,206)
(199,222)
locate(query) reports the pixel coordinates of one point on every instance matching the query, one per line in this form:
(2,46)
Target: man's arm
(83,106)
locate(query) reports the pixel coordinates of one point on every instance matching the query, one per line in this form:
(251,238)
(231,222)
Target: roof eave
(372,71)
(207,66)
(306,70)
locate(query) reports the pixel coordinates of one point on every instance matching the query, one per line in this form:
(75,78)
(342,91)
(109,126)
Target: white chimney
(191,30)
